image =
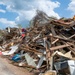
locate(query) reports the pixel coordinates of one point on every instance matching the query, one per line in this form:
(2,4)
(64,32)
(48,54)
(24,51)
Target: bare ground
(8,69)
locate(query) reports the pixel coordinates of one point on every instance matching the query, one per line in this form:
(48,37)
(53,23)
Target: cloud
(71,6)
(7,23)
(2,11)
(26,9)
(1,3)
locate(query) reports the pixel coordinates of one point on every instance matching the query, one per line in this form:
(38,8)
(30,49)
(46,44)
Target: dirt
(6,68)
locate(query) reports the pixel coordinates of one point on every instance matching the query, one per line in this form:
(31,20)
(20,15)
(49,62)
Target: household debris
(47,47)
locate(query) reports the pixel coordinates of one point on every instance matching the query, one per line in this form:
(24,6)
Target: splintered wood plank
(61,46)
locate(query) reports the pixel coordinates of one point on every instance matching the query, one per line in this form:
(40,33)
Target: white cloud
(2,11)
(26,15)
(71,6)
(26,9)
(1,3)
(7,22)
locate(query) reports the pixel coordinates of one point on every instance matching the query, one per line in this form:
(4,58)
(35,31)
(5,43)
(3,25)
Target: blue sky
(13,12)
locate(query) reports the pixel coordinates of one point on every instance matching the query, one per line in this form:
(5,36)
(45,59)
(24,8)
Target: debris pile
(47,47)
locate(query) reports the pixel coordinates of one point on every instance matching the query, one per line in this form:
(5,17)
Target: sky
(14,12)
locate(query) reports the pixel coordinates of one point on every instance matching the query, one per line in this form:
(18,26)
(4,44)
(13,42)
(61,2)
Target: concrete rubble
(47,47)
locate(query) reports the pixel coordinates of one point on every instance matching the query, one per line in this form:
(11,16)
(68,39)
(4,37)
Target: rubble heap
(48,46)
